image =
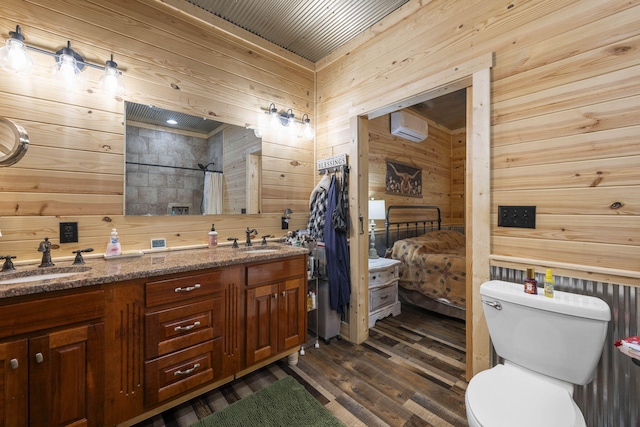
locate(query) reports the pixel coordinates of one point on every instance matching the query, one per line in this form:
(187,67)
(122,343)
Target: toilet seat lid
(508,396)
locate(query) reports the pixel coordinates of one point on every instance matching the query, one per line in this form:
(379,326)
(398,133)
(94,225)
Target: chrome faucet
(250,233)
(45,248)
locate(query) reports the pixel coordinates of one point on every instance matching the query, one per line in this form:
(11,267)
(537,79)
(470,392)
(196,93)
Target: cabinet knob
(284,294)
(39,358)
(14,363)
(274,296)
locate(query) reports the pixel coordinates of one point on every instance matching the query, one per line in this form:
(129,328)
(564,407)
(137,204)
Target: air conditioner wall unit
(408,126)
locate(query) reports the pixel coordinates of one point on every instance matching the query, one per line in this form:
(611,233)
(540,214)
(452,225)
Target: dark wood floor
(409,373)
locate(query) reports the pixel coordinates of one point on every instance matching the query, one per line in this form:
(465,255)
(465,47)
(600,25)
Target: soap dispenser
(213,237)
(113,247)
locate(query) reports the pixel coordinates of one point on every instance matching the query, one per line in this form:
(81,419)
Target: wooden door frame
(475,76)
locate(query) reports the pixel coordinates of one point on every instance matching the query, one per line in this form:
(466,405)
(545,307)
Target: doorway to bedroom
(368,126)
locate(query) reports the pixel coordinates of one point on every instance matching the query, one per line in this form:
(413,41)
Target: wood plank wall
(74,169)
(440,157)
(565,114)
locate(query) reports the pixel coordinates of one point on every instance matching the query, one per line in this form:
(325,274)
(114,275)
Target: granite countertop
(98,271)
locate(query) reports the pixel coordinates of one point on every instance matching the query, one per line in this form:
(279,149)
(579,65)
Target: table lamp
(376,211)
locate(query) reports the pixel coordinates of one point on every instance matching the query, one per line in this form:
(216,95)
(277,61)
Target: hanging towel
(337,254)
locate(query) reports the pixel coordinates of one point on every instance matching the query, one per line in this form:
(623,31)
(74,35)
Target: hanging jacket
(337,254)
(318,208)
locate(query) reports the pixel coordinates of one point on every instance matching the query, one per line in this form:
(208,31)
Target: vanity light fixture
(68,68)
(288,120)
(14,56)
(110,81)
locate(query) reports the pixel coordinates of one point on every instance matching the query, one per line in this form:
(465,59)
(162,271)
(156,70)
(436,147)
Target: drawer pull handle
(186,328)
(14,363)
(39,358)
(189,288)
(187,371)
(384,297)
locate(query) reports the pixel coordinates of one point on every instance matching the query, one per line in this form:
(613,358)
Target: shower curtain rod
(170,167)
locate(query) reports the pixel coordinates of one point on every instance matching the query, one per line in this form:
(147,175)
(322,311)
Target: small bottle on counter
(548,284)
(213,237)
(113,247)
(530,283)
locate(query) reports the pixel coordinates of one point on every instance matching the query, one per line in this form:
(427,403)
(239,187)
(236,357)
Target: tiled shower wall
(175,181)
(611,399)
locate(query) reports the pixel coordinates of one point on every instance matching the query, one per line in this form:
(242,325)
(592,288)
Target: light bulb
(66,70)
(110,81)
(13,55)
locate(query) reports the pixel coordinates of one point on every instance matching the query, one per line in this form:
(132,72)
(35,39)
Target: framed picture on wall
(403,180)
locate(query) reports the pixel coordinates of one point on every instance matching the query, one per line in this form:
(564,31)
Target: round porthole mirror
(14,142)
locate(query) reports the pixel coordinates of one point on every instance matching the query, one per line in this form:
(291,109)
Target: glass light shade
(15,58)
(275,118)
(110,82)
(66,70)
(308,131)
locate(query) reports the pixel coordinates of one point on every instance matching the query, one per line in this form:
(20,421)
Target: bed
(432,269)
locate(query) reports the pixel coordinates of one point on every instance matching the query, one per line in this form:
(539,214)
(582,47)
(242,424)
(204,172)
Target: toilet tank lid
(563,302)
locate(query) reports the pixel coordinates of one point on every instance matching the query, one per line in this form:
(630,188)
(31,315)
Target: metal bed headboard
(412,225)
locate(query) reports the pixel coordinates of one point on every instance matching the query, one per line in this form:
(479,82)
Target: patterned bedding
(434,265)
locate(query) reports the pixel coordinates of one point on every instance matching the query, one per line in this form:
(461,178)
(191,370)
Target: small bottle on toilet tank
(530,283)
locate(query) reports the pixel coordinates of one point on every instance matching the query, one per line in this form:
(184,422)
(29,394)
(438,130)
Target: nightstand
(383,289)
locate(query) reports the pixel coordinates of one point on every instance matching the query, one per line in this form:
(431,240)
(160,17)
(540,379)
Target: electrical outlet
(68,232)
(517,216)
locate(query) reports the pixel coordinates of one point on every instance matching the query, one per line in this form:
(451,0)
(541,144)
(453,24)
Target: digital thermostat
(158,243)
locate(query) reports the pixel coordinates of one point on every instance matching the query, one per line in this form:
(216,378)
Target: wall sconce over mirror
(68,67)
(14,142)
(288,121)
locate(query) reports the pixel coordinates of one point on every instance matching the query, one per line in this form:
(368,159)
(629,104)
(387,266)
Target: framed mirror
(14,142)
(179,164)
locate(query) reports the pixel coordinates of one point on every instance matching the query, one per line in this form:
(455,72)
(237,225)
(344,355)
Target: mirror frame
(20,143)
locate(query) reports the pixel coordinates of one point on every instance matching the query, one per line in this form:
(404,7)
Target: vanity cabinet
(275,308)
(51,355)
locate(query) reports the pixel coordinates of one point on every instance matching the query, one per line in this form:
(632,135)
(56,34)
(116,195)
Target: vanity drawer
(276,270)
(176,373)
(179,289)
(382,296)
(176,328)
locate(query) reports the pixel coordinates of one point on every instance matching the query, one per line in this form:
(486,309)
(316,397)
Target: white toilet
(548,344)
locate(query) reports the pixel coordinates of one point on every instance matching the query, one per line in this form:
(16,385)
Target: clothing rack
(170,167)
(333,164)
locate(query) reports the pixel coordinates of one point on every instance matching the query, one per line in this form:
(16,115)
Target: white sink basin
(40,275)
(260,251)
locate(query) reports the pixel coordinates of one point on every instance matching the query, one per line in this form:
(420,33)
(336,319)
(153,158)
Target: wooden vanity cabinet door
(66,377)
(262,322)
(14,378)
(292,314)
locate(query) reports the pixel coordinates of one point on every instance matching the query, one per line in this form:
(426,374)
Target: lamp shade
(377,209)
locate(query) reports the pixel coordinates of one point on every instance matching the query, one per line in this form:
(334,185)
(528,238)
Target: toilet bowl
(506,393)
(548,345)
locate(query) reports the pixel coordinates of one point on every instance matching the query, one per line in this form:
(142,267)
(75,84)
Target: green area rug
(284,403)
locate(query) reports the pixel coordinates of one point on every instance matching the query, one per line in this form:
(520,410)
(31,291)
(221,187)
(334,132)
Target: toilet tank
(561,337)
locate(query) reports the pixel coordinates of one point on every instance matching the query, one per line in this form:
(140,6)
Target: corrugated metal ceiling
(158,117)
(311,29)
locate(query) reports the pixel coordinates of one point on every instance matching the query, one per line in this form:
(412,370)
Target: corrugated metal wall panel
(611,399)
